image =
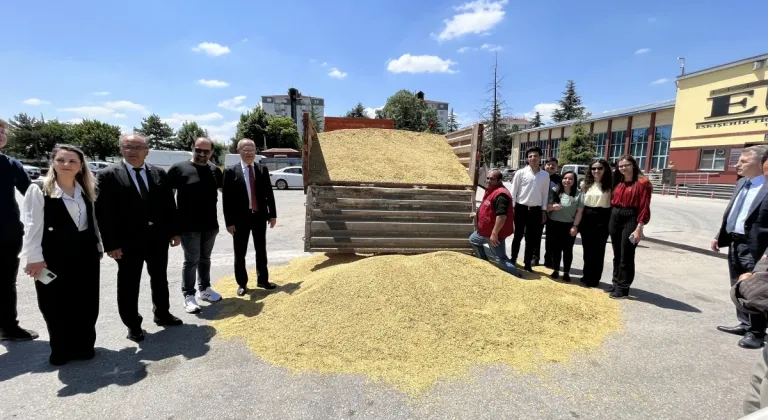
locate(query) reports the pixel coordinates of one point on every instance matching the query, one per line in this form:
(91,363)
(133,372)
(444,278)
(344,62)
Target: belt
(529,207)
(738,236)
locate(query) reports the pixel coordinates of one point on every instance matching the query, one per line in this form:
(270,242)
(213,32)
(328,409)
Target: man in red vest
(495,222)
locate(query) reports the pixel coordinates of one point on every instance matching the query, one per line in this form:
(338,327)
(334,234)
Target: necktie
(252,182)
(731,225)
(142,186)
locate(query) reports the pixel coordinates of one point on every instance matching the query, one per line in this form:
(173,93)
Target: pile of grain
(381,155)
(412,320)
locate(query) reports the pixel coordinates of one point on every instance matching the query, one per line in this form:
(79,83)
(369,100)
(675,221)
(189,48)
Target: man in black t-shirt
(197,183)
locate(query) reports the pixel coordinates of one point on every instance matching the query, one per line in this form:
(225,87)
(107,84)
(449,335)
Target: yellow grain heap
(381,155)
(412,320)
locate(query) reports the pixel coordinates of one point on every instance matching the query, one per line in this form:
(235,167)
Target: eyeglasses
(598,169)
(629,165)
(248,150)
(202,151)
(134,148)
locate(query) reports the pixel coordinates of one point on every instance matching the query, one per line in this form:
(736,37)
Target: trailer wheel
(281,184)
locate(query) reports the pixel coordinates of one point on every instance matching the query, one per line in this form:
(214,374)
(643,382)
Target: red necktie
(252,181)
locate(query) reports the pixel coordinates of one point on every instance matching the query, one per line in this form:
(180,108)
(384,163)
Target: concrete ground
(669,362)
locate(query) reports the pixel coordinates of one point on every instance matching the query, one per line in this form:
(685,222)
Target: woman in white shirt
(61,237)
(598,186)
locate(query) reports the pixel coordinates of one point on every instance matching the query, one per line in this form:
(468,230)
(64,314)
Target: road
(669,362)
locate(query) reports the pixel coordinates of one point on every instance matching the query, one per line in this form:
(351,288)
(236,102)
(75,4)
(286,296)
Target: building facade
(443,113)
(280,106)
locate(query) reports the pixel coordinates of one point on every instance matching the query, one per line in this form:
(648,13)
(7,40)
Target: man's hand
(34,269)
(745,276)
(714,246)
(473,215)
(543,217)
(116,254)
(494,239)
(176,240)
(574,231)
(272,223)
(231,229)
(764,257)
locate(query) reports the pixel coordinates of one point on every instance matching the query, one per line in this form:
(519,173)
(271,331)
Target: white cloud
(337,74)
(420,64)
(126,106)
(244,40)
(325,63)
(462,50)
(371,112)
(101,93)
(223,132)
(491,47)
(234,104)
(212,83)
(659,81)
(97,112)
(75,121)
(119,115)
(211,48)
(124,129)
(545,110)
(35,101)
(643,51)
(176,119)
(312,60)
(474,17)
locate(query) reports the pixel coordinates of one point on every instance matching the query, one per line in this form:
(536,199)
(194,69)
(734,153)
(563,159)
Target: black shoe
(737,330)
(267,285)
(535,263)
(17,334)
(610,288)
(751,341)
(135,334)
(555,274)
(58,359)
(242,290)
(167,320)
(567,277)
(528,268)
(617,294)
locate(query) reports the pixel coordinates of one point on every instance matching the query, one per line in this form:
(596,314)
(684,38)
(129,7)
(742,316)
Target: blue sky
(204,61)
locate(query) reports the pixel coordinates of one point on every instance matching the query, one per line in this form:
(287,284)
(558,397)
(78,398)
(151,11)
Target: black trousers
(594,237)
(547,248)
(561,244)
(155,253)
(9,268)
(623,222)
(527,225)
(255,226)
(70,303)
(741,261)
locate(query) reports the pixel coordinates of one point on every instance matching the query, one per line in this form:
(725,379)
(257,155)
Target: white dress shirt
(757,184)
(248,181)
(531,189)
(34,219)
(133,175)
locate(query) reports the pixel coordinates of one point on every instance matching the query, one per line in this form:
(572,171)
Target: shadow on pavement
(663,302)
(248,306)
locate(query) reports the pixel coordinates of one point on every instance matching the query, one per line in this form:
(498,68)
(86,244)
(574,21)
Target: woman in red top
(631,211)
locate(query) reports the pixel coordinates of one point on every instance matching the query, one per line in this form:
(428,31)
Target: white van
(233,158)
(166,158)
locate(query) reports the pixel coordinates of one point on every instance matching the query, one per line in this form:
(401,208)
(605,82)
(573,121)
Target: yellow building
(718,111)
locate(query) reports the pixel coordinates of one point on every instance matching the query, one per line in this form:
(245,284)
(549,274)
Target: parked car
(508,174)
(290,177)
(166,158)
(233,158)
(32,171)
(97,166)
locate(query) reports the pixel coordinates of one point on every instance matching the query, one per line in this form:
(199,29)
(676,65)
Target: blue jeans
(197,259)
(498,256)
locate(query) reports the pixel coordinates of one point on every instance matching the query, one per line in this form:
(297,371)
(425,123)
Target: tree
(409,112)
(218,152)
(32,138)
(453,125)
(570,106)
(314,117)
(159,134)
(253,125)
(188,133)
(357,112)
(99,140)
(579,149)
(281,132)
(536,121)
(496,144)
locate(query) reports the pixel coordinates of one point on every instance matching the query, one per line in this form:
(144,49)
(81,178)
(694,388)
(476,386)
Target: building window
(599,145)
(638,146)
(712,160)
(521,160)
(544,144)
(556,148)
(661,146)
(617,146)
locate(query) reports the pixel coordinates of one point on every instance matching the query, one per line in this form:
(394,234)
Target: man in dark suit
(744,230)
(136,213)
(249,205)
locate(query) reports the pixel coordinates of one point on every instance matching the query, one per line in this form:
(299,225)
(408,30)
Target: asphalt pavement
(668,362)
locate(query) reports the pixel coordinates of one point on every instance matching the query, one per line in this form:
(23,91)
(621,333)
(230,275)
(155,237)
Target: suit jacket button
(50,229)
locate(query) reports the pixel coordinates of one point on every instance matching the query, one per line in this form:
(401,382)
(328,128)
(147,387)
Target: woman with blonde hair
(62,249)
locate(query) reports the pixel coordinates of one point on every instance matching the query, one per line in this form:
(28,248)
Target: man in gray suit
(744,230)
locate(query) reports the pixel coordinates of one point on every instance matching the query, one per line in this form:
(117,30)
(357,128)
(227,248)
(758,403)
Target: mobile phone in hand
(46,276)
(632,239)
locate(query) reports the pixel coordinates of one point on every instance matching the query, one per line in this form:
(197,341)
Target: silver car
(32,171)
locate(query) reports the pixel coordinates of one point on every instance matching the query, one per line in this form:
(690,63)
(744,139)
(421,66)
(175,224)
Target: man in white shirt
(530,193)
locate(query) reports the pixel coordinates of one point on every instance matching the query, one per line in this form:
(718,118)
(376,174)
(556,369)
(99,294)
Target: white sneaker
(190,305)
(209,295)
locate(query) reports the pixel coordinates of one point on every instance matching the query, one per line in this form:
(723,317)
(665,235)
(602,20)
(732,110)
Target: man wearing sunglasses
(197,183)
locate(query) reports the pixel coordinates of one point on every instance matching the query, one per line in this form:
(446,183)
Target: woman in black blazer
(61,237)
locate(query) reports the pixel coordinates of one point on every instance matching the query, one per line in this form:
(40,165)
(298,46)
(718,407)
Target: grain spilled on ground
(380,155)
(413,320)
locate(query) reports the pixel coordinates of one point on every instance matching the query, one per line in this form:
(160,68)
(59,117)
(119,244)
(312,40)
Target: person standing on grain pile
(495,222)
(249,205)
(530,193)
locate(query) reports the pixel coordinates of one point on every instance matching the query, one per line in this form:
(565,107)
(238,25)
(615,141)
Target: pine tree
(570,106)
(579,149)
(159,134)
(453,125)
(357,112)
(496,137)
(536,121)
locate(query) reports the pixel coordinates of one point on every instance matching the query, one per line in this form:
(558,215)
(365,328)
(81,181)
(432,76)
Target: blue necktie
(731,225)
